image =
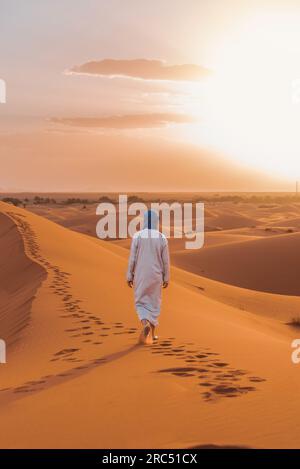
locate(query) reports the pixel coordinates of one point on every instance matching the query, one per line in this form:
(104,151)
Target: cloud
(126,121)
(144,69)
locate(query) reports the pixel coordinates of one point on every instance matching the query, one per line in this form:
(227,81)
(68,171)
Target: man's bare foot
(147,329)
(146,336)
(154,337)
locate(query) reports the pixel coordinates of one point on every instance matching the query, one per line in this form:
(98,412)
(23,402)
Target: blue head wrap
(151,220)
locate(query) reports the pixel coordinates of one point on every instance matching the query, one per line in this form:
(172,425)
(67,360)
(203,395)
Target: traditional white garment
(148,267)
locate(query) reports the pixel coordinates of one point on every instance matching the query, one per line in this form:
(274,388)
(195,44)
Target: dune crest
(269,264)
(20,277)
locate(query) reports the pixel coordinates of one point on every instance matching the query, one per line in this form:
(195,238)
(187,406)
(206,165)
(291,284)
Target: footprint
(256,379)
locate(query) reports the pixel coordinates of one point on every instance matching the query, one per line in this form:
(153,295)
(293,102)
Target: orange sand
(221,374)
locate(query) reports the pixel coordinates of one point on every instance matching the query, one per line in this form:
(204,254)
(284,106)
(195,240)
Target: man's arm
(166,263)
(132,262)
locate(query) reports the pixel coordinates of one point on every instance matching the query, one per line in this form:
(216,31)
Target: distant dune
(230,220)
(268,264)
(290,222)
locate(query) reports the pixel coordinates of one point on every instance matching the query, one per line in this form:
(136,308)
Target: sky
(137,95)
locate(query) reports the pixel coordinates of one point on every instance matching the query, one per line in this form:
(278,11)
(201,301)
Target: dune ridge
(20,279)
(269,264)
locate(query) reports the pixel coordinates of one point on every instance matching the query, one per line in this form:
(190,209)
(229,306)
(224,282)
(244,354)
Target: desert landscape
(167,102)
(221,373)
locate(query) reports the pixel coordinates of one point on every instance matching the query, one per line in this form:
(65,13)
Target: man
(148,271)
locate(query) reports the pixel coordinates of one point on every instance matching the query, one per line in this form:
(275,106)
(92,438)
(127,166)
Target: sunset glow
(229,92)
(249,108)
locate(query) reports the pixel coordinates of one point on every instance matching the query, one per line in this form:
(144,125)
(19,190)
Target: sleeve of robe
(132,259)
(166,261)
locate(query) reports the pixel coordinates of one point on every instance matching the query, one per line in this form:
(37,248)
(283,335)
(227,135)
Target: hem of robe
(144,313)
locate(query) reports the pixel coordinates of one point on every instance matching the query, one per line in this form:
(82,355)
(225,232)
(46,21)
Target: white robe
(148,267)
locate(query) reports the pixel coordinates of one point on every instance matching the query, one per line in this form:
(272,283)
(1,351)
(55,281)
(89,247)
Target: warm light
(250,107)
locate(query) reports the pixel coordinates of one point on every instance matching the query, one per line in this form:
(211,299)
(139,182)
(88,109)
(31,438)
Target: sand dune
(218,376)
(230,220)
(83,218)
(268,264)
(19,281)
(211,239)
(290,222)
